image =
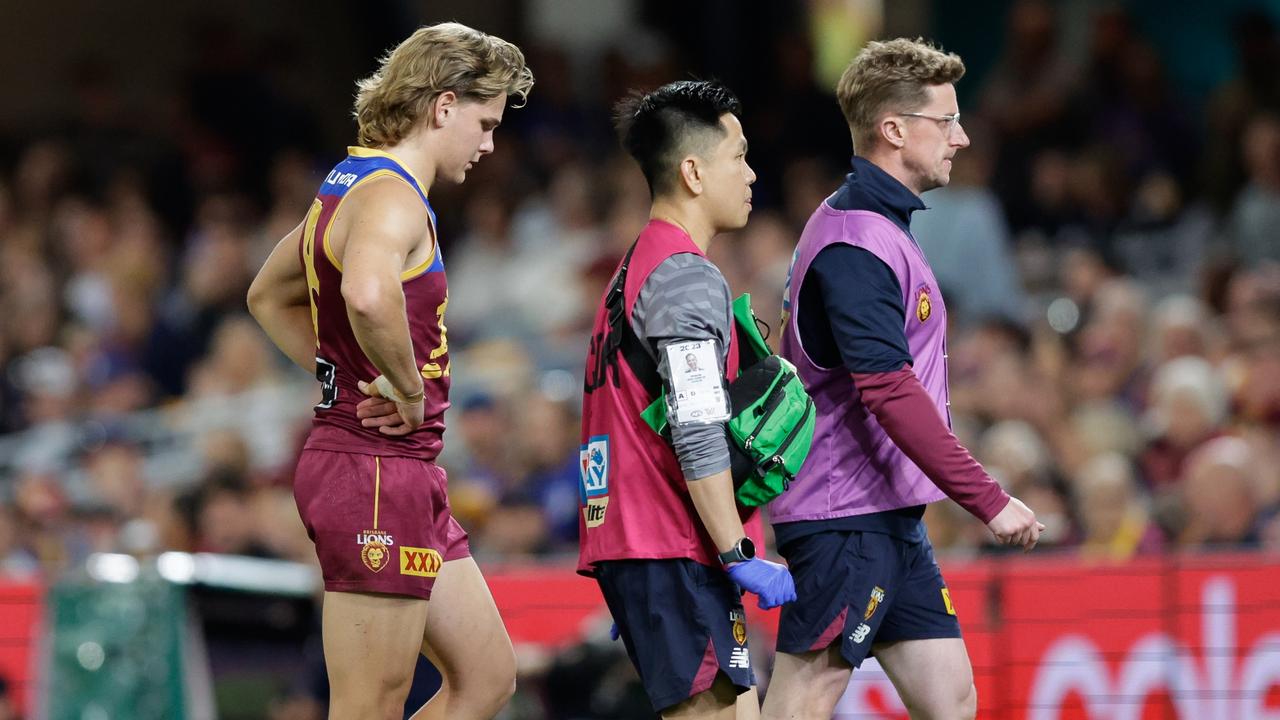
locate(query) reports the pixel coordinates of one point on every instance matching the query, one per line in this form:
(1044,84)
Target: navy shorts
(682,623)
(859,588)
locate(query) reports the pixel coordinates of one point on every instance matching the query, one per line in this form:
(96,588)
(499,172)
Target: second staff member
(659,527)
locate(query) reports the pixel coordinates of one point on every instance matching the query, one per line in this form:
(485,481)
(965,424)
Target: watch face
(748,547)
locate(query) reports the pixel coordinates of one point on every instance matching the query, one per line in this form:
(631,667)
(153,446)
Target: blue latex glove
(770,581)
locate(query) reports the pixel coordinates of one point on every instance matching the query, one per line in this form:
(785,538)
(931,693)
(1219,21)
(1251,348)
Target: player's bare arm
(278,301)
(386,231)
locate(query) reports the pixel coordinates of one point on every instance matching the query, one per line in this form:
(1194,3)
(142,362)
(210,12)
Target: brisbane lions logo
(739,619)
(877,597)
(373,548)
(374,555)
(924,307)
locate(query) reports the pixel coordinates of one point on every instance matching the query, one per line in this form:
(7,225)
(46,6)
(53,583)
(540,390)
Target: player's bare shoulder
(385,213)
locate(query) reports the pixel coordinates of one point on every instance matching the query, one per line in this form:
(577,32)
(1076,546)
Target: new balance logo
(740,658)
(860,634)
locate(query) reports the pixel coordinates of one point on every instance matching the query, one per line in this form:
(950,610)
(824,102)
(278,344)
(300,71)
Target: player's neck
(891,163)
(414,152)
(686,218)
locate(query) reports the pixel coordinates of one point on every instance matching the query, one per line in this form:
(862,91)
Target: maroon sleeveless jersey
(340,362)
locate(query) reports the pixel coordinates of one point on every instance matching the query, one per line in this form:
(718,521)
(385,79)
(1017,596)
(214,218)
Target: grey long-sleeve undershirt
(686,298)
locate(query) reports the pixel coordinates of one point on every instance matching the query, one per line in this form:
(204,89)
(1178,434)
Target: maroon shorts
(380,524)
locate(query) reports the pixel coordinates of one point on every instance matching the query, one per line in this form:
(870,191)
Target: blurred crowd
(1107,249)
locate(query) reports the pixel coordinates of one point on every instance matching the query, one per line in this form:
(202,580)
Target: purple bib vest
(633,500)
(853,467)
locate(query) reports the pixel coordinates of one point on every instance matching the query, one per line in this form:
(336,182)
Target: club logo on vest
(877,597)
(739,619)
(373,548)
(924,307)
(421,562)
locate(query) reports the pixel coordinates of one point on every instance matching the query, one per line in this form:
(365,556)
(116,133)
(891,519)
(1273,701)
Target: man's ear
(691,173)
(443,108)
(893,132)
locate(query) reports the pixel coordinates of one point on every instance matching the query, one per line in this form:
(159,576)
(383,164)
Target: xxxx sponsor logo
(421,562)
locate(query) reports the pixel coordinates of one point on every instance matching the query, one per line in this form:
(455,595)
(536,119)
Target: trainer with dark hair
(660,530)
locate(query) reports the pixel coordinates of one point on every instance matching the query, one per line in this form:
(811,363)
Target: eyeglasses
(949,122)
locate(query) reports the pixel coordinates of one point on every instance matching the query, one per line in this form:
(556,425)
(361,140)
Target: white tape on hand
(388,391)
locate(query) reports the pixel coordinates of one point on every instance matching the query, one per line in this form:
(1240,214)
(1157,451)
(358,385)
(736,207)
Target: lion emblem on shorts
(374,555)
(877,597)
(739,619)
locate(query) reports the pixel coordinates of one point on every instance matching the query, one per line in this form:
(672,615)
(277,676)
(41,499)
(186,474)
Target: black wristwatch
(742,551)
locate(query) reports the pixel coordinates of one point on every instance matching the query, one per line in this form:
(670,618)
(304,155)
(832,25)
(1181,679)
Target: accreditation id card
(698,393)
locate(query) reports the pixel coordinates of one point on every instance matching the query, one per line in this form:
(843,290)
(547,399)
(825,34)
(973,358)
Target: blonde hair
(433,60)
(891,74)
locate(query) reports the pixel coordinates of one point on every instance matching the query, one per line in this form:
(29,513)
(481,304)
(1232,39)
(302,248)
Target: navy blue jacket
(850,306)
